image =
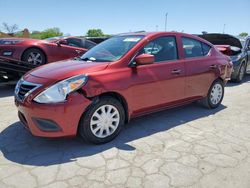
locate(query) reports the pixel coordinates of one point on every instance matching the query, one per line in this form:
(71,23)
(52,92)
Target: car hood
(65,69)
(222,39)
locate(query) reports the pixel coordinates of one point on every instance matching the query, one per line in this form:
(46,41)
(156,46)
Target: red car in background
(121,78)
(39,52)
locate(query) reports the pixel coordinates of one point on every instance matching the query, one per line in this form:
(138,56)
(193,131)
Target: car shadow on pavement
(19,146)
(246,79)
(7,91)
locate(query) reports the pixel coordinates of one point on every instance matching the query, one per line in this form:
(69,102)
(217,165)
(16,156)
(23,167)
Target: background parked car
(39,52)
(123,77)
(237,50)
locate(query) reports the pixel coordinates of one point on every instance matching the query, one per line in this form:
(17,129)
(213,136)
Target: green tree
(243,34)
(95,33)
(35,34)
(51,32)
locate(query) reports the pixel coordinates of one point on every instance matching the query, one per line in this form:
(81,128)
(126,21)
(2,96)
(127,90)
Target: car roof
(146,33)
(159,33)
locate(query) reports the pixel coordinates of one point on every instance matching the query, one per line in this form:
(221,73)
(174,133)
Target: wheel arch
(35,47)
(121,99)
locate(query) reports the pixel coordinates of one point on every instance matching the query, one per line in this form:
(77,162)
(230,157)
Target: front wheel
(103,121)
(34,57)
(215,95)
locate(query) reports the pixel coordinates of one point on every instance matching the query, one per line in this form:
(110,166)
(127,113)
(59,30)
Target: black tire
(27,55)
(208,100)
(84,129)
(239,76)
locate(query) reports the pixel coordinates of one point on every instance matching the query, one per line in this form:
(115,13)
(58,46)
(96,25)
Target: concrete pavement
(184,147)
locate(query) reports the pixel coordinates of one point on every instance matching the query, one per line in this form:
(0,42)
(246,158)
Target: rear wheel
(241,73)
(103,121)
(34,56)
(215,95)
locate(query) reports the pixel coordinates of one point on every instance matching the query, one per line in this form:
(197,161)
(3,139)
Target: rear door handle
(178,71)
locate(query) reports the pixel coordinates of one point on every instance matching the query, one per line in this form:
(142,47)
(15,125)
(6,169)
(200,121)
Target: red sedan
(125,76)
(39,52)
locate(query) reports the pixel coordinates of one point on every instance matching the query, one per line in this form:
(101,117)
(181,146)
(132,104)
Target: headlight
(59,91)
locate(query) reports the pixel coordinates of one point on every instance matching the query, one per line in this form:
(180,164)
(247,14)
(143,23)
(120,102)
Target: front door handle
(176,71)
(78,51)
(213,66)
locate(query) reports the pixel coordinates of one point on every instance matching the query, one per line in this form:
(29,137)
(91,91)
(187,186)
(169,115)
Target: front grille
(24,88)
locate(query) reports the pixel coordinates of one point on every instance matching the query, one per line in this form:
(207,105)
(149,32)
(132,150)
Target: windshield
(112,49)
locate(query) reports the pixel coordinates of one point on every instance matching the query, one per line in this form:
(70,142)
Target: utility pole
(166,21)
(156,27)
(224,28)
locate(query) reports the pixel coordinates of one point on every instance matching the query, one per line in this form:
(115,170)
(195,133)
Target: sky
(75,17)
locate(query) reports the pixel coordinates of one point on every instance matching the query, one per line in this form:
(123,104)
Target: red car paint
(52,51)
(144,89)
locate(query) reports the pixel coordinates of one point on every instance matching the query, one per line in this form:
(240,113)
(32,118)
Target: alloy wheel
(35,58)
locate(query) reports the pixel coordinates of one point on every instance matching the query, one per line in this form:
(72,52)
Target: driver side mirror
(63,41)
(145,59)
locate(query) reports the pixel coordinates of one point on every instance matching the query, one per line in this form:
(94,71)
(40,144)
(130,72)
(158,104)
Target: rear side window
(206,48)
(192,47)
(163,48)
(89,44)
(74,42)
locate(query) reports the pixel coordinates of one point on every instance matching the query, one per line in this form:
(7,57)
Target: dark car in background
(238,50)
(39,52)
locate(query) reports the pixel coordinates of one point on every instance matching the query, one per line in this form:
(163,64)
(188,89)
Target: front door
(160,83)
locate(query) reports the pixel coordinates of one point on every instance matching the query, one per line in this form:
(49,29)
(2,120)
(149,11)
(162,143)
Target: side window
(163,48)
(74,42)
(192,47)
(89,44)
(205,48)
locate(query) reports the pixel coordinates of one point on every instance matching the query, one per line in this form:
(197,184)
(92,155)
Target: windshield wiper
(77,58)
(91,59)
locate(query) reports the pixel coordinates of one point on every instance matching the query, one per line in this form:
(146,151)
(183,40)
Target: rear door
(200,67)
(161,83)
(73,48)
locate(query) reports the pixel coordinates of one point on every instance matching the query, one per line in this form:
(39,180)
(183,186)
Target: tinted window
(192,47)
(206,48)
(75,42)
(163,48)
(89,44)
